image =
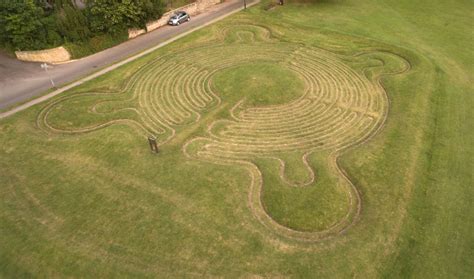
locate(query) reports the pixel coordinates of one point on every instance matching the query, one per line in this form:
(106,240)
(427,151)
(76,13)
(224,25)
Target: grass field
(319,139)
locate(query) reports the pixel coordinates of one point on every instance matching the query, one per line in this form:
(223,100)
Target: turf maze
(343,105)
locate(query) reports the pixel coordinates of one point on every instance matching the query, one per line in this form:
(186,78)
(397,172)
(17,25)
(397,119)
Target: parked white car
(178,18)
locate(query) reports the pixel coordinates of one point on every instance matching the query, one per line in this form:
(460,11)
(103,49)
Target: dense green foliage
(73,24)
(81,198)
(95,44)
(113,16)
(31,25)
(21,26)
(152,9)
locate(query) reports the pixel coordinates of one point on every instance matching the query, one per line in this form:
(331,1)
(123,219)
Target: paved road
(20,81)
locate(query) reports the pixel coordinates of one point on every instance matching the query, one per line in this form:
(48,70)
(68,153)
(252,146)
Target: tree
(112,16)
(20,25)
(53,38)
(153,9)
(72,24)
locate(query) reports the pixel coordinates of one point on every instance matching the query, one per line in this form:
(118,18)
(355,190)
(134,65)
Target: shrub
(95,44)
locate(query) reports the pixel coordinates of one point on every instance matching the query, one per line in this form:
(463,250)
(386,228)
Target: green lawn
(319,139)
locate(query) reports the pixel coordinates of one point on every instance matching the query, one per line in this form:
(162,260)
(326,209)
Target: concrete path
(20,81)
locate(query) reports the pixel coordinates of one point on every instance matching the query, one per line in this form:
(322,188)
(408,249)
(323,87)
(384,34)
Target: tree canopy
(20,24)
(30,24)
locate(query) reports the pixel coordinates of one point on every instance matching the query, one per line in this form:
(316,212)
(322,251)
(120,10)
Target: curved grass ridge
(340,109)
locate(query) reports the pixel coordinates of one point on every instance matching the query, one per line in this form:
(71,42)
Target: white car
(178,18)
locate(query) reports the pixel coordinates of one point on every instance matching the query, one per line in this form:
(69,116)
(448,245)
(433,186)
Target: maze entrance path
(321,103)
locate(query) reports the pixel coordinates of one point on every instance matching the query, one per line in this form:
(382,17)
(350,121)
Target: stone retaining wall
(192,9)
(132,33)
(52,55)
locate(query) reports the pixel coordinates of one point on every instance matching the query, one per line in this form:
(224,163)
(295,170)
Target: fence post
(153,145)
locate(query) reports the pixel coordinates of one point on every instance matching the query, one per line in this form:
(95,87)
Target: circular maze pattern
(339,108)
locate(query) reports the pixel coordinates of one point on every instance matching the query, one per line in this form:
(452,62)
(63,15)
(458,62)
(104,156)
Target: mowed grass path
(81,195)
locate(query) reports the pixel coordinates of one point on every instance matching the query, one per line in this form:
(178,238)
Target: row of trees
(38,24)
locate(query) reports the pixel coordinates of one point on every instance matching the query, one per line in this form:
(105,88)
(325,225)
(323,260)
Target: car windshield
(174,17)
